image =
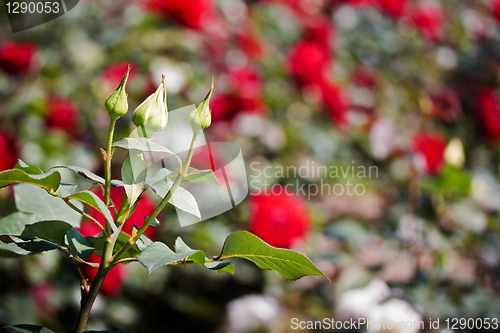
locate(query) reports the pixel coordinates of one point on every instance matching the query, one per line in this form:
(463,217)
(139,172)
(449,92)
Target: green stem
(89,299)
(104,267)
(162,204)
(108,157)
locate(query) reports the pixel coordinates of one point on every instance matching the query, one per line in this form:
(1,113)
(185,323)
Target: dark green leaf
(14,224)
(290,264)
(32,199)
(159,254)
(40,236)
(79,246)
(30,170)
(31,243)
(155,223)
(26,329)
(93,200)
(220,267)
(49,182)
(52,231)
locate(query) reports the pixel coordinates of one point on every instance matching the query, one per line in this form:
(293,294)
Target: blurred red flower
(395,8)
(250,44)
(429,19)
(304,7)
(114,280)
(42,293)
(61,113)
(488,114)
(446,105)
(429,151)
(364,76)
(360,3)
(8,151)
(336,101)
(279,220)
(191,14)
(319,29)
(17,58)
(113,74)
(307,62)
(244,95)
(496,9)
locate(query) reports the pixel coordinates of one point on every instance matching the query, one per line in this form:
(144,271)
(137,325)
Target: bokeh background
(408,87)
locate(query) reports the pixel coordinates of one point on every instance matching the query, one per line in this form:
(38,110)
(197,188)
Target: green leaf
(159,254)
(49,182)
(181,199)
(93,200)
(143,242)
(30,170)
(134,175)
(181,247)
(89,175)
(220,266)
(451,181)
(290,264)
(197,176)
(79,246)
(31,243)
(32,199)
(122,239)
(26,329)
(141,144)
(65,190)
(40,236)
(14,224)
(52,231)
(155,223)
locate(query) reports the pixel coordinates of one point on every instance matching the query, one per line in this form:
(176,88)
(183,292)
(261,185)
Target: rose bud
(201,117)
(153,112)
(117,104)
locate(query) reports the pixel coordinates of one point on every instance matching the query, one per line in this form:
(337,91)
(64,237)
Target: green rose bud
(201,117)
(117,104)
(153,112)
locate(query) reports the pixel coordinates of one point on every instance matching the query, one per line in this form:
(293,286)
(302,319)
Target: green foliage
(79,246)
(88,174)
(30,170)
(159,254)
(121,240)
(26,329)
(181,198)
(32,199)
(49,182)
(197,176)
(93,200)
(290,264)
(14,224)
(134,175)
